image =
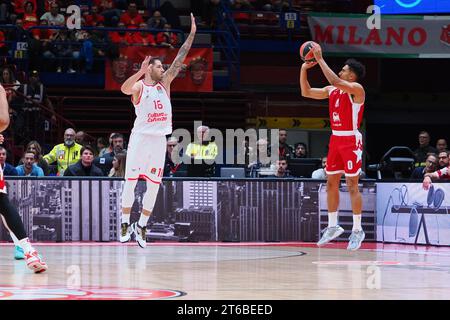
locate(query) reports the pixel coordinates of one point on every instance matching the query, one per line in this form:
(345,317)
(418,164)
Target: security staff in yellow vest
(65,154)
(202,149)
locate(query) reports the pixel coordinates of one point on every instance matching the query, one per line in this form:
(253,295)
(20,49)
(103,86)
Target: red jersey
(130,21)
(29,20)
(19,5)
(93,19)
(138,38)
(117,38)
(2,181)
(345,115)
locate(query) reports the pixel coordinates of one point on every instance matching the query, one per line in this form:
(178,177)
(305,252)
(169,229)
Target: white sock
(14,238)
(357,222)
(143,220)
(332,219)
(26,245)
(125,218)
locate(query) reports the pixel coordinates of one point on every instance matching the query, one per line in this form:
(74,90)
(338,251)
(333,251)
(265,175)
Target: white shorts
(146,155)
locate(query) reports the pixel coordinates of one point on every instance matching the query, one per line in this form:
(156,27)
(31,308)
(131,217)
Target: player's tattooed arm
(177,63)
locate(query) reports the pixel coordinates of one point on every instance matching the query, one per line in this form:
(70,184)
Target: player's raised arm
(353,88)
(177,63)
(4,112)
(305,87)
(131,86)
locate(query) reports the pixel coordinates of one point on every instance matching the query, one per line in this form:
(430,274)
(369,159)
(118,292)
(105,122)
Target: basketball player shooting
(147,146)
(346,105)
(9,214)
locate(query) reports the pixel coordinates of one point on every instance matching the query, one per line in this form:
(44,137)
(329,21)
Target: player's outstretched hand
(317,50)
(193,25)
(2,139)
(308,65)
(145,64)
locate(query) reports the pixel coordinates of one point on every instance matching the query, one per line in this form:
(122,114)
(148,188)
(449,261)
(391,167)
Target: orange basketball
(305,51)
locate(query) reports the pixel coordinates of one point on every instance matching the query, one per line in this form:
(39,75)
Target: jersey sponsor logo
(153,171)
(84,293)
(336,117)
(159,89)
(157,117)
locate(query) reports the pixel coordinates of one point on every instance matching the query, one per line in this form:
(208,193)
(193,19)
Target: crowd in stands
(68,50)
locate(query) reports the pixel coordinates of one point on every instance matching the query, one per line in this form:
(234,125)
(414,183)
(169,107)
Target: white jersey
(153,111)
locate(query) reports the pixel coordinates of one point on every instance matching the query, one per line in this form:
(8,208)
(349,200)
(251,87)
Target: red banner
(195,76)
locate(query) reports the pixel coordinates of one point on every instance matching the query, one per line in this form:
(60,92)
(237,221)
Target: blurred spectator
(10,84)
(62,50)
(105,162)
(262,150)
(157,21)
(29,16)
(320,173)
(102,146)
(441,174)
(108,9)
(35,148)
(284,150)
(19,34)
(424,148)
(8,170)
(80,138)
(171,14)
(131,18)
(122,37)
(64,154)
(53,16)
(202,149)
(100,41)
(109,147)
(20,6)
(118,165)
(5,11)
(94,17)
(300,150)
(29,167)
(167,38)
(431,166)
(281,169)
(441,145)
(210,13)
(240,5)
(85,166)
(170,167)
(443,158)
(38,43)
(144,38)
(279,5)
(35,91)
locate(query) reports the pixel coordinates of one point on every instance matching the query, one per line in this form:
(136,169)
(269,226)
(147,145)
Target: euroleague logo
(84,293)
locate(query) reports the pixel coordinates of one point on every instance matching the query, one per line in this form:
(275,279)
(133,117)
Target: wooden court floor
(274,271)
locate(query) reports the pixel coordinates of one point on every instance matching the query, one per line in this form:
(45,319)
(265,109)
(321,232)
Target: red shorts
(345,154)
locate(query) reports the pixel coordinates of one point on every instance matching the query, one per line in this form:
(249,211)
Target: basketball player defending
(346,105)
(147,147)
(10,216)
